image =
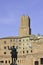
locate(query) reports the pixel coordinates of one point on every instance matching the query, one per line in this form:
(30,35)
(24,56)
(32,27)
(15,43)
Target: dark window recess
(13,46)
(1,61)
(6,61)
(36,63)
(26,39)
(9,61)
(19,40)
(5,42)
(4,52)
(23,48)
(23,52)
(10,40)
(41,60)
(27,51)
(18,60)
(4,47)
(31,51)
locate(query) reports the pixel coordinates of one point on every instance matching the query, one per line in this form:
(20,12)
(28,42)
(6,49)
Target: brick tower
(25,29)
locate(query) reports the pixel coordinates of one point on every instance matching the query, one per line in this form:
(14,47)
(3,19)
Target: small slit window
(4,52)
(6,61)
(23,52)
(27,51)
(9,61)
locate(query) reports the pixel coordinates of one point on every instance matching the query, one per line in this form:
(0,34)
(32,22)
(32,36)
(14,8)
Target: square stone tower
(25,29)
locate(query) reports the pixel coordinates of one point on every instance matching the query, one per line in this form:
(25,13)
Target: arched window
(6,61)
(27,51)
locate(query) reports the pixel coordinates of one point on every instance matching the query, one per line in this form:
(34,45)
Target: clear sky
(11,10)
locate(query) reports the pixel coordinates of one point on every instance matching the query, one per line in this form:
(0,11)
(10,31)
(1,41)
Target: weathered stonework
(29,47)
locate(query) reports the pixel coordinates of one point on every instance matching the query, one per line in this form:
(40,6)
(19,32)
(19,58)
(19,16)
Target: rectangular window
(41,60)
(36,63)
(19,40)
(4,42)
(23,51)
(1,61)
(11,40)
(4,47)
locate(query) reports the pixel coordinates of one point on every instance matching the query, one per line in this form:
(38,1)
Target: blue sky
(11,10)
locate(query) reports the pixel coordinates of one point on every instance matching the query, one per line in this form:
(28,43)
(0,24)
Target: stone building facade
(29,47)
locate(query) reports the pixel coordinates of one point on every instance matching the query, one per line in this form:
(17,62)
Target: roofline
(15,37)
